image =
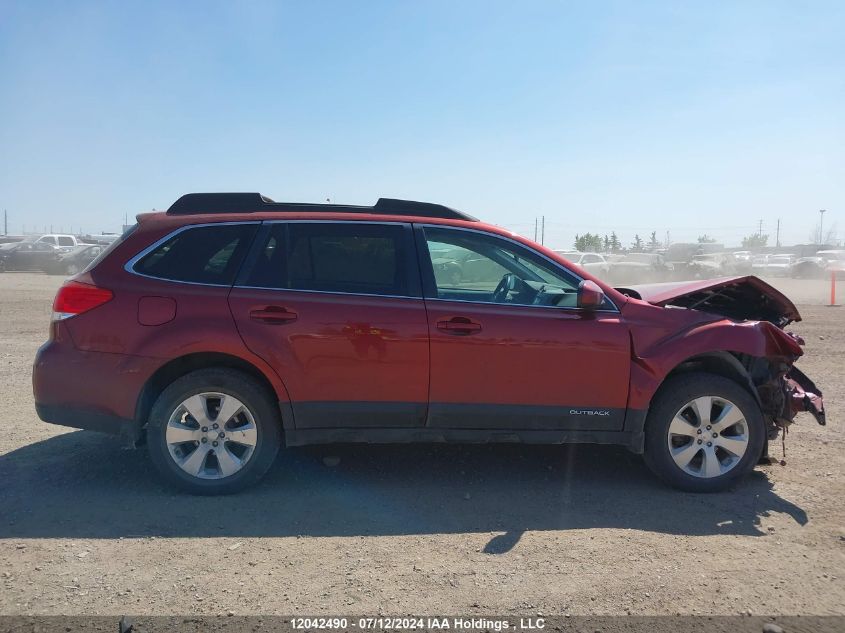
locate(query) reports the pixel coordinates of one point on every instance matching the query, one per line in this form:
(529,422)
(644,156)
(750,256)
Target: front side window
(352,257)
(66,241)
(204,254)
(471,266)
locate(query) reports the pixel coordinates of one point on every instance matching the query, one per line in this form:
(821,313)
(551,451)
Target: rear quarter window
(204,254)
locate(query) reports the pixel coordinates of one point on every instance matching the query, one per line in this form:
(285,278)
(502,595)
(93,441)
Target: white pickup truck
(61,241)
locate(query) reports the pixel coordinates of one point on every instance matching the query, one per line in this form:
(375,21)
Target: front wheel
(703,432)
(213,431)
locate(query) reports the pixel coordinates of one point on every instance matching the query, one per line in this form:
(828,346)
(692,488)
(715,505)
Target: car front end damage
(754,334)
(789,392)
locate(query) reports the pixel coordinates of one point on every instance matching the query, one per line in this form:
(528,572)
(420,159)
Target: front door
(509,347)
(336,309)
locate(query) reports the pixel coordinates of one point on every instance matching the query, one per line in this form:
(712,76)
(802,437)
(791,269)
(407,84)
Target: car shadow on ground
(82,485)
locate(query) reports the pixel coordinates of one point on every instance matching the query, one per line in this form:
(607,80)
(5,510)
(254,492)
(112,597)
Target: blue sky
(691,117)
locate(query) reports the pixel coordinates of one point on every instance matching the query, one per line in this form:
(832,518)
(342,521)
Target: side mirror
(590,296)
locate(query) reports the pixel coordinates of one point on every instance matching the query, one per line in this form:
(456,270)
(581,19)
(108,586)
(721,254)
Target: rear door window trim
(412,274)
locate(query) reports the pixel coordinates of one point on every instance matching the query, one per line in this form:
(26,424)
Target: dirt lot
(85,528)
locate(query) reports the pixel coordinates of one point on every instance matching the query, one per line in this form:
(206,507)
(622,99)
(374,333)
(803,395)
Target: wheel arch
(738,367)
(721,363)
(178,367)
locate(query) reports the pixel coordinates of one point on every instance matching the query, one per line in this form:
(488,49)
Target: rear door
(336,308)
(509,347)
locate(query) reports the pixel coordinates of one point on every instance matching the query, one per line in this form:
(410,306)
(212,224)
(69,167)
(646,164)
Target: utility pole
(760,229)
(5,222)
(535,229)
(821,225)
(543,231)
(777,239)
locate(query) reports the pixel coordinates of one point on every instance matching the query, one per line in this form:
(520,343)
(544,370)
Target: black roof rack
(197,203)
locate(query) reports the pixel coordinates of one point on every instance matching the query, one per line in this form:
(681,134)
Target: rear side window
(354,258)
(203,254)
(66,241)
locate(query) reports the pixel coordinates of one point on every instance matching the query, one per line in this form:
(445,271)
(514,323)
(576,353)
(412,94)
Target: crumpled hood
(740,298)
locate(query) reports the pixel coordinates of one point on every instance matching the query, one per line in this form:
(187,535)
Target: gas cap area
(156,310)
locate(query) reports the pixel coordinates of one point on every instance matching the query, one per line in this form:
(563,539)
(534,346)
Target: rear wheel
(72,269)
(213,431)
(703,432)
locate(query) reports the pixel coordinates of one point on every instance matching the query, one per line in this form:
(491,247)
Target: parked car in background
(640,268)
(780,265)
(593,263)
(742,261)
(759,263)
(712,265)
(25,255)
(72,261)
(834,258)
(808,268)
(232,325)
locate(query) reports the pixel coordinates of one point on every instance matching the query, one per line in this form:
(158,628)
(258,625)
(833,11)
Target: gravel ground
(86,528)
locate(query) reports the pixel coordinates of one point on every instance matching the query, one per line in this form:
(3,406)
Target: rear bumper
(90,421)
(89,390)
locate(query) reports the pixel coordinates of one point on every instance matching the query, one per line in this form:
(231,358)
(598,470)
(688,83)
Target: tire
(251,433)
(675,432)
(72,269)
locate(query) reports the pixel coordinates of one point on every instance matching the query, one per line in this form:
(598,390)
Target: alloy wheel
(708,437)
(211,435)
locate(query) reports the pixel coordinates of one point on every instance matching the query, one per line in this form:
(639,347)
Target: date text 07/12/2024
(417,623)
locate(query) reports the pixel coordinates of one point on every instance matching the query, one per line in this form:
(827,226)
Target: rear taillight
(75,298)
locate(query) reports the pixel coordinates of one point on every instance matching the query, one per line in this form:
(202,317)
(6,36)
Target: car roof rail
(210,203)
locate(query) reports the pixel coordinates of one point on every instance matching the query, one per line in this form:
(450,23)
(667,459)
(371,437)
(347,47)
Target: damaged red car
(231,325)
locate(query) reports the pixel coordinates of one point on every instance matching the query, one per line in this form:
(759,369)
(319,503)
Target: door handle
(459,326)
(274,315)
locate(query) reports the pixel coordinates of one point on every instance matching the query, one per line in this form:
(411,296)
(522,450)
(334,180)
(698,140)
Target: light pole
(821,225)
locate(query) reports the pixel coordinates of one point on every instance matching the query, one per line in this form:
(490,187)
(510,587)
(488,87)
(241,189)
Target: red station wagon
(232,325)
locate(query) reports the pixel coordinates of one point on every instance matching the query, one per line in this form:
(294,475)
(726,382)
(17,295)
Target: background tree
(706,239)
(615,244)
(754,241)
(606,244)
(653,242)
(637,244)
(588,242)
